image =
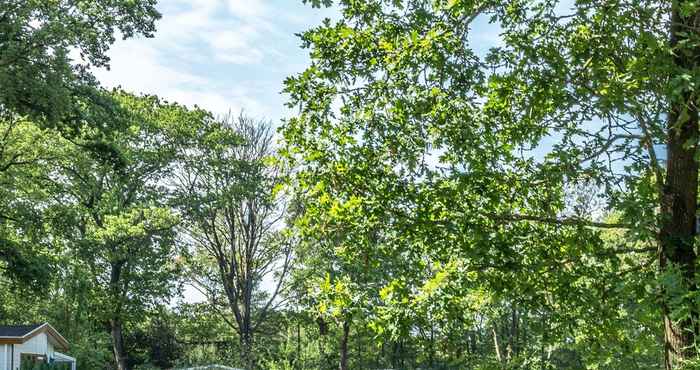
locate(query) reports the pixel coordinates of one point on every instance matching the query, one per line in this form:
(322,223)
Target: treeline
(111,201)
(430,205)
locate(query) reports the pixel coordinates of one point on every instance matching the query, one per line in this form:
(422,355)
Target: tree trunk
(247,349)
(431,351)
(545,339)
(115,323)
(513,337)
(247,316)
(360,358)
(395,355)
(118,344)
(297,361)
(679,198)
(344,345)
(322,331)
(473,342)
(496,345)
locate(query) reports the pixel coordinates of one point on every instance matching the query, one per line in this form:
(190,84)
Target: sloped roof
(17,331)
(13,334)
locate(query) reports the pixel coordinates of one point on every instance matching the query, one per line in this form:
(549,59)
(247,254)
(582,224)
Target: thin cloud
(248,8)
(218,54)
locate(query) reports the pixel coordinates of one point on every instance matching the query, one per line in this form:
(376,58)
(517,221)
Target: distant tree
(154,342)
(164,350)
(232,210)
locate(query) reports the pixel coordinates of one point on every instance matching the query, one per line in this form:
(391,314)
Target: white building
(32,343)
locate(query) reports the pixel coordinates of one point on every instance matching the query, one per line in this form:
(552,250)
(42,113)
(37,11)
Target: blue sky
(218,54)
(227,54)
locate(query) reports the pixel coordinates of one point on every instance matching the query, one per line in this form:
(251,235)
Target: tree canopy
(433,200)
(469,161)
(39,75)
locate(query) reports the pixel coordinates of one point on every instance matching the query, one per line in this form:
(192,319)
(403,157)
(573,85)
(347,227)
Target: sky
(218,54)
(227,54)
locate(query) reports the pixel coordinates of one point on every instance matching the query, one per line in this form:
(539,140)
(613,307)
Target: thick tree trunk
(115,324)
(118,344)
(679,203)
(344,346)
(247,355)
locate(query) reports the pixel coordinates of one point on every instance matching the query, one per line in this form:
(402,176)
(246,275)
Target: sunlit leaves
(419,154)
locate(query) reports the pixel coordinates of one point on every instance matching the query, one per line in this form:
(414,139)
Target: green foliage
(154,343)
(37,74)
(440,183)
(453,207)
(112,215)
(45,366)
(24,257)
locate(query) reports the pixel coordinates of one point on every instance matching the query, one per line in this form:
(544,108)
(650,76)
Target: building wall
(36,345)
(5,358)
(50,350)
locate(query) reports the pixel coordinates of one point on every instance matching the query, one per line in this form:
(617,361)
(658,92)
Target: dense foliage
(489,178)
(435,202)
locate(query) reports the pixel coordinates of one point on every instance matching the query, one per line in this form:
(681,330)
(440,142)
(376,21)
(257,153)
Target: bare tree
(232,216)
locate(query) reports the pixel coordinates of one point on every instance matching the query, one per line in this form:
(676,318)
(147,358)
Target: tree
(25,253)
(37,75)
(473,153)
(232,210)
(39,82)
(114,215)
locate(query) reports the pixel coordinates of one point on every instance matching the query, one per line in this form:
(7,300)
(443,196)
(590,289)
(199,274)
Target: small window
(30,360)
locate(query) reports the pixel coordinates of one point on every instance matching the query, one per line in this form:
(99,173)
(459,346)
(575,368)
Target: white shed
(32,343)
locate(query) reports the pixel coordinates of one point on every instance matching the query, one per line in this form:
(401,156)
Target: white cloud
(248,8)
(218,54)
(137,65)
(191,35)
(232,30)
(235,46)
(211,101)
(140,67)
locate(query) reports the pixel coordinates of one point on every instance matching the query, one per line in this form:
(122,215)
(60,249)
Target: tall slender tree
(233,211)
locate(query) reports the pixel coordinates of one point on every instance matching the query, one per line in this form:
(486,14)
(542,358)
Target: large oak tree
(473,153)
